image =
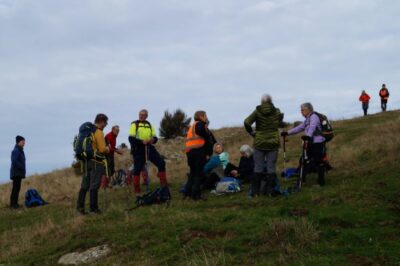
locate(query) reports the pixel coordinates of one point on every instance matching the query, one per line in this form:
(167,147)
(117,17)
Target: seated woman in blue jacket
(218,167)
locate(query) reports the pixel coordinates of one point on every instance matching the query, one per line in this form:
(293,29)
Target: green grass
(353,220)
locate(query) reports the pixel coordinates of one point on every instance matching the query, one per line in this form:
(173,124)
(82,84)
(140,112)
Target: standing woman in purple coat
(312,134)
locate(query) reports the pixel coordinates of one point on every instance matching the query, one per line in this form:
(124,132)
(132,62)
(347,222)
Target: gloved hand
(306,138)
(284,134)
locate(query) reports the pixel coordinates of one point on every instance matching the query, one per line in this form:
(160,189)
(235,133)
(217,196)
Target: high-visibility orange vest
(193,141)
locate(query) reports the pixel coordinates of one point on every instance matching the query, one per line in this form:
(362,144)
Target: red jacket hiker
(384,94)
(111,140)
(364,98)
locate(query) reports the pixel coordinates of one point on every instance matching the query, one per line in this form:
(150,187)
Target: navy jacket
(18,168)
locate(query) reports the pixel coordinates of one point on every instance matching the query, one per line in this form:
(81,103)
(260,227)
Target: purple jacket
(311,126)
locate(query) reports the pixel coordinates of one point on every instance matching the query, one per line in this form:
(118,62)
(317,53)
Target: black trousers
(111,165)
(153,155)
(16,188)
(315,161)
(197,159)
(383,104)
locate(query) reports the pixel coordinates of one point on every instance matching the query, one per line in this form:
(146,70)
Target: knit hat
(18,139)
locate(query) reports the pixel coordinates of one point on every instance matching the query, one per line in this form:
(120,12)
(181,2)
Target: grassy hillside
(354,220)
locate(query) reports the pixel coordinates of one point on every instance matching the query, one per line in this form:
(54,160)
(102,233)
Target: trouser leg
(317,154)
(97,172)
(272,158)
(159,162)
(85,185)
(139,163)
(15,191)
(259,180)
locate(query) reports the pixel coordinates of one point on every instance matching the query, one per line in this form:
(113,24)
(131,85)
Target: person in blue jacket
(17,171)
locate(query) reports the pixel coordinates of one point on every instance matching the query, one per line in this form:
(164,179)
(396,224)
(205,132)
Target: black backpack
(326,127)
(158,196)
(83,142)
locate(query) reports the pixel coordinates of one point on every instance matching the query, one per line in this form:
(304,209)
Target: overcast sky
(64,61)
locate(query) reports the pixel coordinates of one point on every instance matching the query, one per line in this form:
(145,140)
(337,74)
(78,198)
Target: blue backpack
(33,199)
(83,142)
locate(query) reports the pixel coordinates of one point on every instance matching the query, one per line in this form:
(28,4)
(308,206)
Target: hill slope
(354,220)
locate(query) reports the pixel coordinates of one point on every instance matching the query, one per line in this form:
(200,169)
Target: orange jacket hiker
(384,94)
(364,98)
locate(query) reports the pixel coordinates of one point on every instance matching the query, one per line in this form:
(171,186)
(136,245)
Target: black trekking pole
(304,158)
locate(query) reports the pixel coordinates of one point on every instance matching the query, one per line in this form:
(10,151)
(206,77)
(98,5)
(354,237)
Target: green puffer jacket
(267,119)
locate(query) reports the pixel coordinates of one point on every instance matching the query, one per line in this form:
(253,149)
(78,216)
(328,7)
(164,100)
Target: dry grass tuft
(17,241)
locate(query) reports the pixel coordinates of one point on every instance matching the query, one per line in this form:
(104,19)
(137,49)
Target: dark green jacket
(267,119)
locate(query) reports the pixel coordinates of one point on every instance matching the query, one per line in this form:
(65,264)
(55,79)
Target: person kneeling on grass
(315,142)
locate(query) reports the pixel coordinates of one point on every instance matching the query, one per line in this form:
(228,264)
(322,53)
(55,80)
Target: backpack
(158,196)
(326,127)
(131,138)
(120,178)
(83,142)
(228,185)
(33,199)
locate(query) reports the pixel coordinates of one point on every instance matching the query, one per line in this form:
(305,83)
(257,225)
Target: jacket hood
(266,108)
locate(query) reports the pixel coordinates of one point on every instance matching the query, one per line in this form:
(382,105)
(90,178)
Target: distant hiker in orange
(384,94)
(111,140)
(364,99)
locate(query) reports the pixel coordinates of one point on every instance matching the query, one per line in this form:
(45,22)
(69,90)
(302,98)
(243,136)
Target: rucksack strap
(137,122)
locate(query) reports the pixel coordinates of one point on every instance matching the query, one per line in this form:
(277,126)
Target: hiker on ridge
(199,148)
(95,168)
(384,94)
(17,171)
(316,143)
(266,143)
(142,137)
(364,99)
(111,140)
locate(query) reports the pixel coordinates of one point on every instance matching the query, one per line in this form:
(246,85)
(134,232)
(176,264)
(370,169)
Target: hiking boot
(96,211)
(81,211)
(15,206)
(256,184)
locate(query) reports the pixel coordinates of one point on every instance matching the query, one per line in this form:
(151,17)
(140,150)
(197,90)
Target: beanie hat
(18,139)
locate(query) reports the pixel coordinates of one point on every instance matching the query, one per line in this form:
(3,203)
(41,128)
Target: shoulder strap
(137,126)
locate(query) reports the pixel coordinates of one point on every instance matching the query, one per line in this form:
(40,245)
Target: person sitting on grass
(218,167)
(246,164)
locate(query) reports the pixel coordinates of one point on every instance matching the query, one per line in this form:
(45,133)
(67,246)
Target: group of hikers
(206,158)
(365,98)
